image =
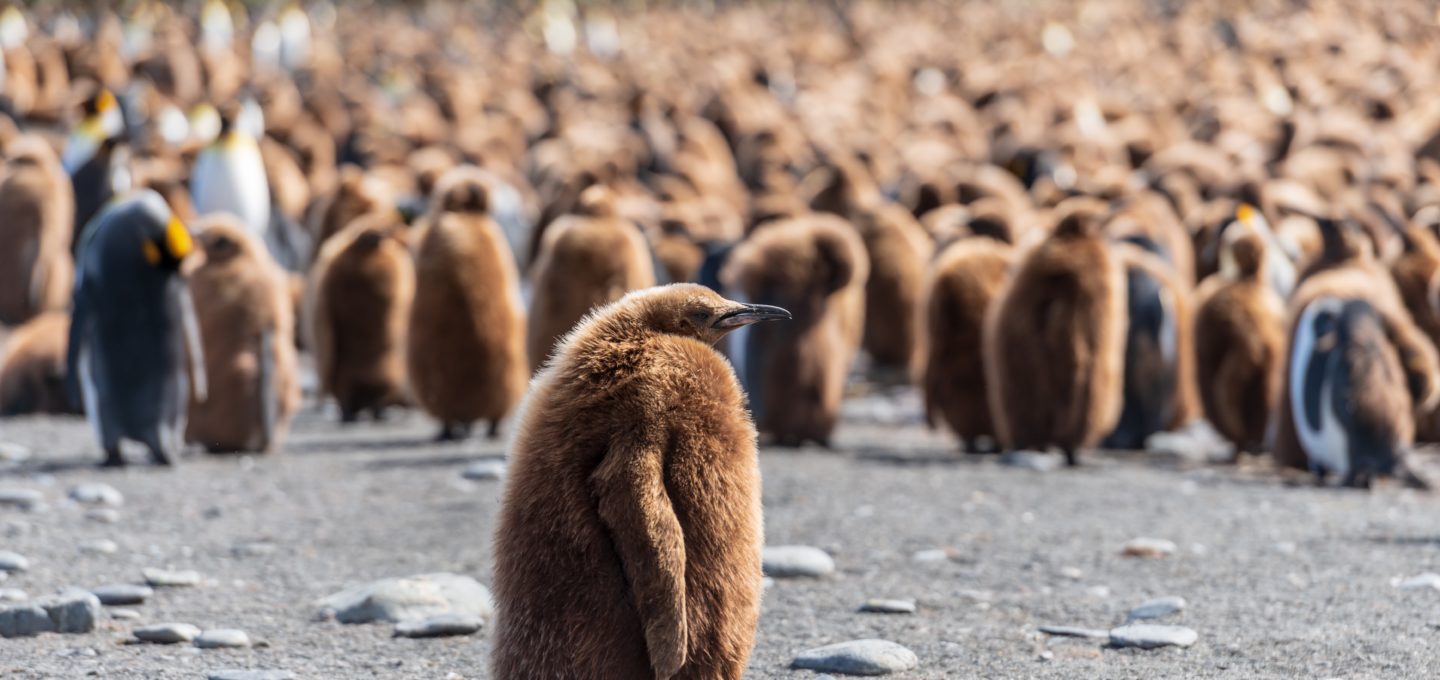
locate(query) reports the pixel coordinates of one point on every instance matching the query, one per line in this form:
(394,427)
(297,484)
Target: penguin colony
(1059,237)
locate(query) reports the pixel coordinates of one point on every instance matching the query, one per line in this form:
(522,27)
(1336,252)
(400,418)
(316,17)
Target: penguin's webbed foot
(113,459)
(493,432)
(160,457)
(1072,458)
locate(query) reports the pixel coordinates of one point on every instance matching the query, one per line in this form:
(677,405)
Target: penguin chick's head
(694,311)
(222,238)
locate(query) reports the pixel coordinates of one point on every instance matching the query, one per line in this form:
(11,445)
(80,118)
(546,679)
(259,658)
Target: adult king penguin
(229,175)
(132,328)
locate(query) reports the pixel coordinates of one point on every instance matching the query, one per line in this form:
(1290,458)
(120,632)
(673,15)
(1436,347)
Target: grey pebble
(243,674)
(165,578)
(1075,631)
(1159,607)
(444,625)
(410,599)
(167,633)
(10,452)
(254,549)
(788,561)
(121,614)
(1038,461)
(1148,547)
(103,515)
(10,561)
(485,470)
(1152,636)
(884,606)
(857,657)
(223,638)
(70,611)
(13,595)
(24,499)
(1426,581)
(25,620)
(96,493)
(122,593)
(103,546)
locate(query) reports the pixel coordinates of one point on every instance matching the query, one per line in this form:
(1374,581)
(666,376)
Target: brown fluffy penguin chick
(1055,339)
(1240,348)
(32,367)
(1417,276)
(38,205)
(357,194)
(466,348)
(362,286)
(898,250)
(795,373)
(586,260)
(950,366)
(246,315)
(629,540)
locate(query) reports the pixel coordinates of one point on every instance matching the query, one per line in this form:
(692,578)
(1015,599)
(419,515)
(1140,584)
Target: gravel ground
(1282,580)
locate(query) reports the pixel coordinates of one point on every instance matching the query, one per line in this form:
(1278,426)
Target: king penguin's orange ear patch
(177,239)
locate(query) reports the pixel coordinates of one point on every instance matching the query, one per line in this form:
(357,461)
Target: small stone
(1153,548)
(1039,461)
(1425,581)
(444,625)
(22,499)
(1072,573)
(10,561)
(121,614)
(167,633)
(122,593)
(25,620)
(1151,636)
(223,638)
(165,578)
(485,470)
(95,493)
(790,561)
(254,549)
(1159,607)
(882,606)
(103,515)
(242,674)
(101,546)
(857,657)
(411,598)
(10,452)
(72,610)
(13,595)
(931,556)
(1074,631)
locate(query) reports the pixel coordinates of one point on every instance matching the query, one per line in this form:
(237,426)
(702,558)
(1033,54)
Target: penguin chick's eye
(700,316)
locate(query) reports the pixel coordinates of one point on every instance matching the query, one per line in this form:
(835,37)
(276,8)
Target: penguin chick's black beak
(748,314)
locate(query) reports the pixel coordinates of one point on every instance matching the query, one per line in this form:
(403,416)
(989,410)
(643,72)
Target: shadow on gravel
(348,445)
(411,462)
(1413,541)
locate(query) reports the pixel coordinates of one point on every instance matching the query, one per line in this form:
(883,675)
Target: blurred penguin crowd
(1071,225)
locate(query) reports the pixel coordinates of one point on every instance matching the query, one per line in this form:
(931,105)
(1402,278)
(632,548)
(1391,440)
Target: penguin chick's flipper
(190,324)
(265,387)
(635,508)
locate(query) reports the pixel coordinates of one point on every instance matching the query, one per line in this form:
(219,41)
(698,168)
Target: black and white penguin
(229,175)
(1348,392)
(133,327)
(94,158)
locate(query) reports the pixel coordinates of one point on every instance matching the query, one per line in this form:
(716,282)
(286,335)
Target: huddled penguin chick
(1352,408)
(898,250)
(32,367)
(1240,346)
(246,313)
(632,521)
(795,373)
(1055,339)
(1159,381)
(466,350)
(950,368)
(132,328)
(37,203)
(586,261)
(362,286)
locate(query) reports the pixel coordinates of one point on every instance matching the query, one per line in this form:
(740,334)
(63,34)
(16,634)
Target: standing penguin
(95,160)
(1055,339)
(229,177)
(586,261)
(630,536)
(950,366)
(132,326)
(1352,408)
(37,205)
(466,350)
(898,249)
(246,324)
(1240,345)
(1159,382)
(795,373)
(361,288)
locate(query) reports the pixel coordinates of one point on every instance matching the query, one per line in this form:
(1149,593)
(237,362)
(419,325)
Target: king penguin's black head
(163,240)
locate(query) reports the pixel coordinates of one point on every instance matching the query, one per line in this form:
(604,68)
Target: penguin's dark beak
(748,314)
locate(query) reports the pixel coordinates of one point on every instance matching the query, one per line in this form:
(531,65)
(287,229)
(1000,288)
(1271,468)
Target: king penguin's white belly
(230,178)
(1326,446)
